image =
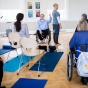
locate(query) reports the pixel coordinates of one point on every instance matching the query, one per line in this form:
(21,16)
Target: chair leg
(39,74)
(8,56)
(21,62)
(17,53)
(28,61)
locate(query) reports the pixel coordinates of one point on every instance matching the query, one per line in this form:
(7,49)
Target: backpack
(82,64)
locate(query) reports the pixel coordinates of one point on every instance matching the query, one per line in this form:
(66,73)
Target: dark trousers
(56,29)
(1,71)
(44,34)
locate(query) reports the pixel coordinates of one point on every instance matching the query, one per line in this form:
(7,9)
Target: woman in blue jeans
(1,72)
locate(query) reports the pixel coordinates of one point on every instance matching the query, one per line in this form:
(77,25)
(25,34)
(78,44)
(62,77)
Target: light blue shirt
(24,31)
(55,14)
(43,24)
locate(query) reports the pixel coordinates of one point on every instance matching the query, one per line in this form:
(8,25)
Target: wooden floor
(57,78)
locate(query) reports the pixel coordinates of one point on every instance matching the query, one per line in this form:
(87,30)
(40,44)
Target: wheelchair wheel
(37,38)
(84,80)
(69,66)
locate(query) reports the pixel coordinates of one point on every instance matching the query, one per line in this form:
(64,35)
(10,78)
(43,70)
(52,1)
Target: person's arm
(14,29)
(72,42)
(58,18)
(50,19)
(38,27)
(26,31)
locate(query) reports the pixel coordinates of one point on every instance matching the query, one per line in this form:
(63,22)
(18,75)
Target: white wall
(76,8)
(45,5)
(10,4)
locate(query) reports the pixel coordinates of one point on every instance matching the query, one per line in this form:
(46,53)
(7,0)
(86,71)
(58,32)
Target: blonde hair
(55,4)
(42,14)
(82,25)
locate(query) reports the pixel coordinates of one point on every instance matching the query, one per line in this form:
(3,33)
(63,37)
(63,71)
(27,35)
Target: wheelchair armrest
(81,47)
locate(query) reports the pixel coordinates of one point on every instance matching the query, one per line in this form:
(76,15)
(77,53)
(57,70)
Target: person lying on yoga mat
(20,27)
(43,27)
(1,72)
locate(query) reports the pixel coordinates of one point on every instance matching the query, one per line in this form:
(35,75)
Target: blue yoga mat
(50,59)
(13,65)
(29,83)
(6,49)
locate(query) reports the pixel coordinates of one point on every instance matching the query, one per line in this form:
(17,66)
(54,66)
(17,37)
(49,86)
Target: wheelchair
(72,62)
(48,37)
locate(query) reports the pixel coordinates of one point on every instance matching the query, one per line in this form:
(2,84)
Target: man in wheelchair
(78,44)
(43,27)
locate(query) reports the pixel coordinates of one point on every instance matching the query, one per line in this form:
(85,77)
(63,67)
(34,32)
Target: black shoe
(2,87)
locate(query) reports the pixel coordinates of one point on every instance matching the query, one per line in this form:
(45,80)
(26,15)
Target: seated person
(80,37)
(83,17)
(43,27)
(20,27)
(1,72)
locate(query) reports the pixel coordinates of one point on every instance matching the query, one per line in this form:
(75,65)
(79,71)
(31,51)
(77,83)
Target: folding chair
(14,39)
(29,47)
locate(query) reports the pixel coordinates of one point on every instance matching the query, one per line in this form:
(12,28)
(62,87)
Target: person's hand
(41,32)
(49,15)
(60,26)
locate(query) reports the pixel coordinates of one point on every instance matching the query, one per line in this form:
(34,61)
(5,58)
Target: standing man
(43,27)
(56,23)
